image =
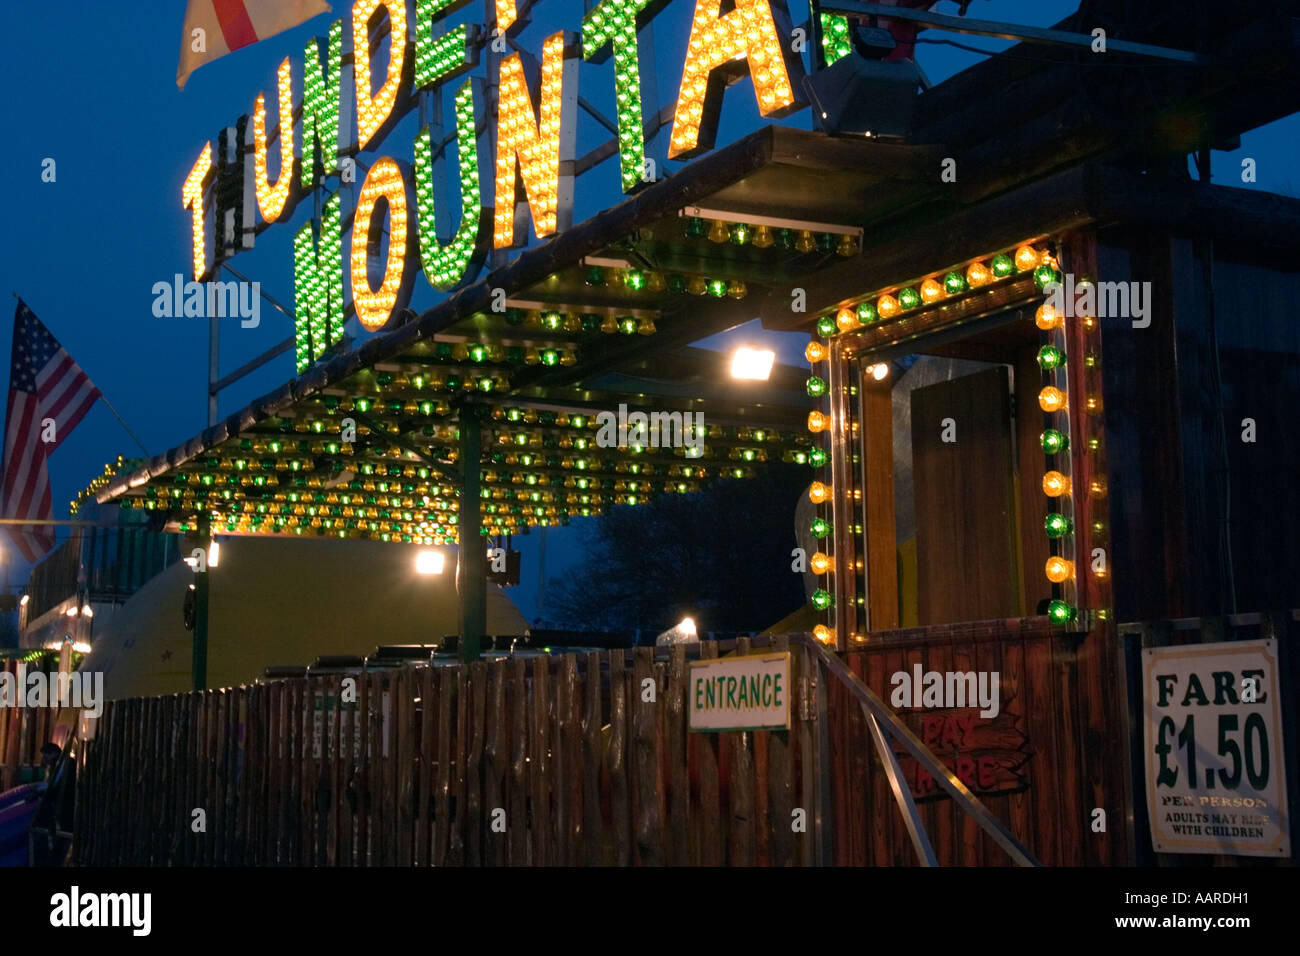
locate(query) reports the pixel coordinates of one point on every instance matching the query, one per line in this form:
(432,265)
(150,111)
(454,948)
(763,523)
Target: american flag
(44,382)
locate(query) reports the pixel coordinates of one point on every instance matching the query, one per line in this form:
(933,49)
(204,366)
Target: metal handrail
(883,723)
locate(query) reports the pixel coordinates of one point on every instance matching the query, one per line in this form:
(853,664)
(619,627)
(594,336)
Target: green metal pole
(200,666)
(473,564)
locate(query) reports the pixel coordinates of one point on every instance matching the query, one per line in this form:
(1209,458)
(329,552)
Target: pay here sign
(1215,780)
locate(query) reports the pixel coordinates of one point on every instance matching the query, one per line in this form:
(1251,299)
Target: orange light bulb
(1051,399)
(821,563)
(846,319)
(1026,258)
(816,422)
(978,274)
(817,492)
(1048,318)
(1055,484)
(815,352)
(1059,570)
(824,634)
(887,307)
(931,291)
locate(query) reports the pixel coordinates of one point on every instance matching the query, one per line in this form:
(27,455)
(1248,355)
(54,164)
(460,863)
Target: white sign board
(741,693)
(1215,776)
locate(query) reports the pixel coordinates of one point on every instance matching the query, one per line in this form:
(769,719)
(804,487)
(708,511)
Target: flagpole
(124,424)
(110,407)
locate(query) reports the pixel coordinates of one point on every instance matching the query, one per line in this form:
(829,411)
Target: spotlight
(429,562)
(860,95)
(752,363)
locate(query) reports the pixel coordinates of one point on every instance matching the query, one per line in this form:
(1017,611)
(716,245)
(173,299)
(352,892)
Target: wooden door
(964,494)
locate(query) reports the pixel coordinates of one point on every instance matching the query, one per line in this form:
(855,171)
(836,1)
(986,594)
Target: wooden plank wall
(564,760)
(24,729)
(1044,677)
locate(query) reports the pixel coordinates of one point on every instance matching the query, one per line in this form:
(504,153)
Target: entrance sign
(1215,775)
(534,131)
(740,693)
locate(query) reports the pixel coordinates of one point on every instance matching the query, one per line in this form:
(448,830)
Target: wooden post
(200,664)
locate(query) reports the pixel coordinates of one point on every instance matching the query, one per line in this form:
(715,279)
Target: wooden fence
(560,760)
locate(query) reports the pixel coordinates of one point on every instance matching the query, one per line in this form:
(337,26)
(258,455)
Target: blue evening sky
(92,86)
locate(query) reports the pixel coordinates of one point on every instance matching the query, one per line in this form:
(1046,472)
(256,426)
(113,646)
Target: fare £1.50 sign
(1216,777)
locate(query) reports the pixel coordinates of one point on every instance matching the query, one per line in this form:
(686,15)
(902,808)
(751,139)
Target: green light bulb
(1057,526)
(1002,265)
(1054,441)
(826,326)
(1050,357)
(866,313)
(909,298)
(820,528)
(816,387)
(954,283)
(822,600)
(1060,613)
(816,457)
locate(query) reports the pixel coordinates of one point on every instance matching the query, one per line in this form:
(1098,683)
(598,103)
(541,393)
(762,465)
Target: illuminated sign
(534,131)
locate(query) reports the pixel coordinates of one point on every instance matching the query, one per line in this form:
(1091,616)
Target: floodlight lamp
(429,562)
(753,364)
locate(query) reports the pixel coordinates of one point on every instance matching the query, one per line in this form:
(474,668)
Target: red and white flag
(44,384)
(214,28)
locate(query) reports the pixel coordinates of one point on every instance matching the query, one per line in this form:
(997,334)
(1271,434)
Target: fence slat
(645,719)
(517,810)
(424,784)
(780,779)
(406,797)
(593,791)
(710,837)
(571,773)
(496,762)
(620,804)
(740,789)
(679,792)
(442,796)
(456,849)
(473,782)
(539,816)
